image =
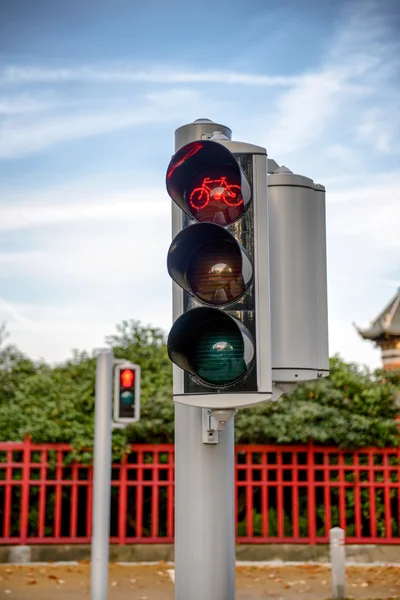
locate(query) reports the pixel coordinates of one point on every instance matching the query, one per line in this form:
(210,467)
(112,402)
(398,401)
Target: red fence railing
(283,494)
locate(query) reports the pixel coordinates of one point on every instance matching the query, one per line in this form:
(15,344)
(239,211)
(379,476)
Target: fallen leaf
(51,576)
(60,581)
(31,581)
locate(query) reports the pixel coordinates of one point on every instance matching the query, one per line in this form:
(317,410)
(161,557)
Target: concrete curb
(246,554)
(239,563)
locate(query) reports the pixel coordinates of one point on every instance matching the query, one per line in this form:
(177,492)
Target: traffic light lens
(215,273)
(127,378)
(218,354)
(215,196)
(127,398)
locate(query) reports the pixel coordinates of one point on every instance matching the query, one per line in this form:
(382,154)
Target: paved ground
(154,582)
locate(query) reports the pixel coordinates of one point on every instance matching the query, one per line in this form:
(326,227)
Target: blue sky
(90,95)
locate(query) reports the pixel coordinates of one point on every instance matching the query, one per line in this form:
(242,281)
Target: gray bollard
(338,562)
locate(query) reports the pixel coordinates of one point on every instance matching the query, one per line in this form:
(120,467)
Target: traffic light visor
(212,346)
(206,181)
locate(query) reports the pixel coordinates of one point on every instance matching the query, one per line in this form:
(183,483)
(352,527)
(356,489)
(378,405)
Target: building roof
(386,324)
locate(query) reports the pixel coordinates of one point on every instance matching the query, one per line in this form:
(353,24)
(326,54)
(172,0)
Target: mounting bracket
(214,421)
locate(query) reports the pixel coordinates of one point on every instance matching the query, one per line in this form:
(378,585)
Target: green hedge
(352,408)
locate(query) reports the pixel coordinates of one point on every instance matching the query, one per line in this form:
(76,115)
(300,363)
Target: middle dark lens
(215,273)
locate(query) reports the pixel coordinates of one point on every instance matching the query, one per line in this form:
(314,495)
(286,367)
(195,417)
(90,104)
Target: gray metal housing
(298,278)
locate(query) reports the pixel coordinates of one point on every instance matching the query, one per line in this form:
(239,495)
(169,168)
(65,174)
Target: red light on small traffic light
(127,378)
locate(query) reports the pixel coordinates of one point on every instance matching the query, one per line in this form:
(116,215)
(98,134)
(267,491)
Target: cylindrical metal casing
(297,278)
(322,303)
(201,129)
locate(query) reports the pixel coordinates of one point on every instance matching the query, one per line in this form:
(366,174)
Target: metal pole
(102,477)
(338,562)
(204,482)
(204,510)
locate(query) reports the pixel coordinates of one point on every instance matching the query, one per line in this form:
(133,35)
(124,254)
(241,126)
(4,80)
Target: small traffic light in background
(126,393)
(220,339)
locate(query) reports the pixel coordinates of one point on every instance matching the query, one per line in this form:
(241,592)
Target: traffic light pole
(204,486)
(204,510)
(102,477)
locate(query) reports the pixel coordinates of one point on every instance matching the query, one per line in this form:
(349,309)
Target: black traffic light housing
(219,338)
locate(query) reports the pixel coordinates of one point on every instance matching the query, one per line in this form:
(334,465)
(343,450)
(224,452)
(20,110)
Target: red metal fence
(283,494)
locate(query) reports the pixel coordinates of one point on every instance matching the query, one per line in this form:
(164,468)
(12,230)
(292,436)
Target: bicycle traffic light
(126,393)
(218,259)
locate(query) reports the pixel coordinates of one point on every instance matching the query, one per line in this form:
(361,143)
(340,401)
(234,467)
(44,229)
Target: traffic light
(218,259)
(126,393)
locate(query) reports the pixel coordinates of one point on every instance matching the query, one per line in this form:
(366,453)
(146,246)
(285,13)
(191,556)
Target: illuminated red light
(215,197)
(215,189)
(127,378)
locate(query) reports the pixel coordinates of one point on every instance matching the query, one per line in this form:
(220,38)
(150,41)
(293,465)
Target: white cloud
(9,311)
(27,134)
(25,103)
(102,206)
(362,224)
(304,111)
(380,132)
(358,69)
(128,74)
(21,138)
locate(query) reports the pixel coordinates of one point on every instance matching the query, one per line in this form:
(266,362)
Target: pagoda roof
(386,324)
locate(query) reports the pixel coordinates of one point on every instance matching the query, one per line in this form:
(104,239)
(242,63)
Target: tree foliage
(352,408)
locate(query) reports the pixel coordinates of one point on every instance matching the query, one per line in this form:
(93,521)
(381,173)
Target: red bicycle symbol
(230,194)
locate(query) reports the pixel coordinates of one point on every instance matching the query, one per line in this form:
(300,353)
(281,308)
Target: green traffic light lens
(127,397)
(217,357)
